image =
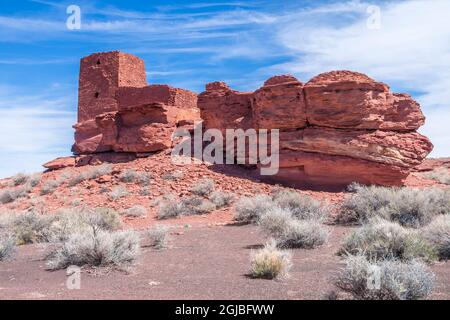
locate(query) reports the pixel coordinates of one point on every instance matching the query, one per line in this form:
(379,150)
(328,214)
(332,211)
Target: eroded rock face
(127,115)
(222,108)
(344,99)
(338,128)
(279,104)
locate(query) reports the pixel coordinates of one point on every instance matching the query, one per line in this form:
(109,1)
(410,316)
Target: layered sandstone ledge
(338,128)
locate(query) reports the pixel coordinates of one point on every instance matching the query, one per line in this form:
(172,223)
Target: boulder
(345,99)
(60,163)
(388,147)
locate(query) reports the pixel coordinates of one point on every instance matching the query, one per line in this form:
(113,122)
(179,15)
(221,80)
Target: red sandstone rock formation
(118,111)
(338,128)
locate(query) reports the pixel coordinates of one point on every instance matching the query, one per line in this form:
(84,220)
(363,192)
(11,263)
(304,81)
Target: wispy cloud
(411,51)
(33,130)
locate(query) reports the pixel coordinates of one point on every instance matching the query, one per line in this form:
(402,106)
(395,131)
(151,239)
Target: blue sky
(187,44)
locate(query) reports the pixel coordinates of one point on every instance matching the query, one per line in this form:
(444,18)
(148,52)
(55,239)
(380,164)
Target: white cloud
(411,51)
(33,129)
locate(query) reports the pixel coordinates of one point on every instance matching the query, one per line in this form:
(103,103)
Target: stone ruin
(338,128)
(118,111)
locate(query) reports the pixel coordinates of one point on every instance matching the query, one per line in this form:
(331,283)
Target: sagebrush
(385,279)
(409,206)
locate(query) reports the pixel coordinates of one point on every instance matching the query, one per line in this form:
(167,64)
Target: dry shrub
(301,206)
(221,199)
(132,176)
(171,206)
(442,175)
(385,279)
(380,239)
(438,233)
(135,211)
(408,206)
(203,187)
(173,175)
(158,236)
(91,173)
(96,247)
(7,246)
(118,192)
(249,209)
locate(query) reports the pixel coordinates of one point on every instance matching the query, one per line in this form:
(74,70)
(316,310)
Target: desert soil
(208,257)
(201,263)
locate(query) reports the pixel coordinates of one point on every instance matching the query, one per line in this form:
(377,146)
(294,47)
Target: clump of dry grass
(270,262)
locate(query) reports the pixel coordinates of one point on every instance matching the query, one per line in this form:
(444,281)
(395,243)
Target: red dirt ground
(209,256)
(202,263)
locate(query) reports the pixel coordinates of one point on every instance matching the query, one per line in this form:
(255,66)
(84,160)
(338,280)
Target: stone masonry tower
(101,74)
